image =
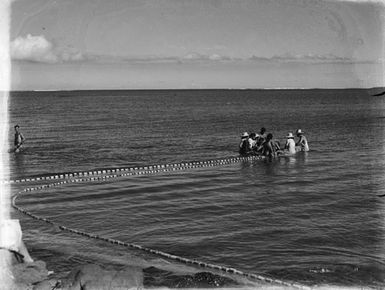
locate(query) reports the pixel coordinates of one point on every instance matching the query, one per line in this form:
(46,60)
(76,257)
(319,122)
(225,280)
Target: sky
(176,44)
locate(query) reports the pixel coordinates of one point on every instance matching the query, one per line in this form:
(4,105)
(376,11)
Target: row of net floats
(105,173)
(156,252)
(140,171)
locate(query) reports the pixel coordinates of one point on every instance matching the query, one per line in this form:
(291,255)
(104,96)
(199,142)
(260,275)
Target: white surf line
(91,176)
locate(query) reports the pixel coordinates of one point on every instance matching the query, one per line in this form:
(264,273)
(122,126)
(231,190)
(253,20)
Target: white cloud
(199,57)
(313,58)
(39,49)
(193,56)
(215,57)
(34,48)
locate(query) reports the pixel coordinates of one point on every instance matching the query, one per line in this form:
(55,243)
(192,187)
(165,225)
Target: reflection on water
(19,162)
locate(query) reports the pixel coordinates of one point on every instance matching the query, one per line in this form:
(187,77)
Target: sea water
(316,218)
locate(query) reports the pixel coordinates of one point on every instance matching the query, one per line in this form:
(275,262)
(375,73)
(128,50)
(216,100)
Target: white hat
(245,134)
(299,131)
(290,135)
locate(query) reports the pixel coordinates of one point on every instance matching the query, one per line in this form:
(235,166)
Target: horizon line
(194,89)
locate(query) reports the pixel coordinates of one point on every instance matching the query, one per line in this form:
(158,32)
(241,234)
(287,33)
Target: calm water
(315,218)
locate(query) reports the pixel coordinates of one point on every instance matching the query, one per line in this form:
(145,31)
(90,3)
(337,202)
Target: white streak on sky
(6,281)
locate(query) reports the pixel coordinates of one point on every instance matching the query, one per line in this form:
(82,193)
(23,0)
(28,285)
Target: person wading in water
(19,139)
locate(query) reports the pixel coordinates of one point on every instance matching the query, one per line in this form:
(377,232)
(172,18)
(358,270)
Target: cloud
(195,57)
(199,57)
(39,49)
(311,58)
(153,59)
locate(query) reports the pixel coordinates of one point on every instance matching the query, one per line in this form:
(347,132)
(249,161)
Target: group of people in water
(264,144)
(251,144)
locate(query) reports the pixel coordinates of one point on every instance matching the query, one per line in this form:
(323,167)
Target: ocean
(316,218)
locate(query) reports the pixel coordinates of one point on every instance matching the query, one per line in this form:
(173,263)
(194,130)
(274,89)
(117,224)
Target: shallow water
(314,218)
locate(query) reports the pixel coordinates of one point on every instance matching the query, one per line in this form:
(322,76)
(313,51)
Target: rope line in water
(155,168)
(92,176)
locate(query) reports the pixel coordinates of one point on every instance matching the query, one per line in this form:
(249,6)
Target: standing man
(302,142)
(19,139)
(290,144)
(268,147)
(244,146)
(262,136)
